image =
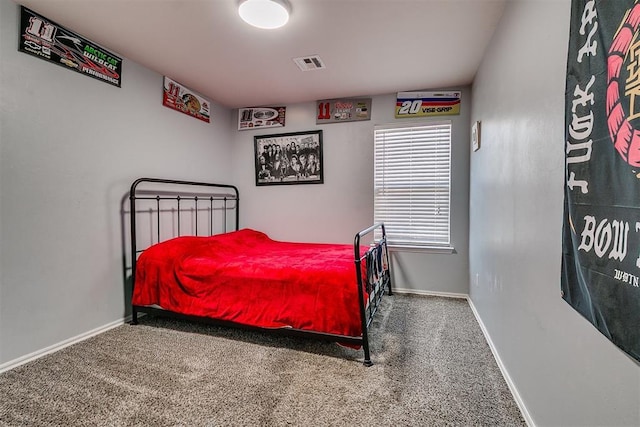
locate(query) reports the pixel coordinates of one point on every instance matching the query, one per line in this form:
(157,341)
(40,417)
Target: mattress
(248,278)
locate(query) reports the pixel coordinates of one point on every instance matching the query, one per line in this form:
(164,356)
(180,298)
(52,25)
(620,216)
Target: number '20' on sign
(410,107)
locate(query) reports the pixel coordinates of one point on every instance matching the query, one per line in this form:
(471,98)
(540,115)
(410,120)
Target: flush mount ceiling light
(267,14)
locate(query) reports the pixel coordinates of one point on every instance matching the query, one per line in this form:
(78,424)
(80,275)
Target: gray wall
(69,148)
(565,371)
(336,210)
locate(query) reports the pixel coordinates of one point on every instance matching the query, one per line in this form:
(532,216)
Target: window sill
(422,249)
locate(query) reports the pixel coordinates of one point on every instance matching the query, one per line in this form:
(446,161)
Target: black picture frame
(289,158)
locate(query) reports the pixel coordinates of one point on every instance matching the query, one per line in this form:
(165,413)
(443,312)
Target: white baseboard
(59,346)
(429,293)
(503,369)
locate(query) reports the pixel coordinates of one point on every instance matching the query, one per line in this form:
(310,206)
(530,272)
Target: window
(412,183)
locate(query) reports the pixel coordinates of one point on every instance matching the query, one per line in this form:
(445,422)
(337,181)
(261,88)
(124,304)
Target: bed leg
(365,346)
(388,279)
(134,316)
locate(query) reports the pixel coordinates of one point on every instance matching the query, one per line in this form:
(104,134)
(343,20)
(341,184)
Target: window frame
(420,129)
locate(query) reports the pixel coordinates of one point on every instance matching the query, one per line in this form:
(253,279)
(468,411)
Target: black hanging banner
(43,38)
(601,236)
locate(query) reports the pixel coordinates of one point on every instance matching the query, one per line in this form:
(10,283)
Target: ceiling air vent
(308,63)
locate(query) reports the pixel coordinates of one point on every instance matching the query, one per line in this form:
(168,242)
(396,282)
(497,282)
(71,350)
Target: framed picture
(475,136)
(289,158)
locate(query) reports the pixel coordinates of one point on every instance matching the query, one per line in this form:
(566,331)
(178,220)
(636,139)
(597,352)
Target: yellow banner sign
(424,104)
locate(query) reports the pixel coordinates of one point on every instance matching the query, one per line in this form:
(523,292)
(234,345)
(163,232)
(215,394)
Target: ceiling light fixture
(266,14)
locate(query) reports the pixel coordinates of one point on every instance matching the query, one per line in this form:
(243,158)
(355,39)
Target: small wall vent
(309,63)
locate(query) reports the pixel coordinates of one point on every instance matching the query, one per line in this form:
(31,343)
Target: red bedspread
(248,278)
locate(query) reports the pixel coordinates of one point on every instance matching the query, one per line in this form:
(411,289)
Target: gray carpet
(432,367)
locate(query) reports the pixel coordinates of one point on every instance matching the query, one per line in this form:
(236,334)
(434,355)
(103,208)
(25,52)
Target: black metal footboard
(374,280)
(161,209)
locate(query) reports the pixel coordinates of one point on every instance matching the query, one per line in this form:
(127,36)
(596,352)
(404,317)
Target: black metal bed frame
(377,272)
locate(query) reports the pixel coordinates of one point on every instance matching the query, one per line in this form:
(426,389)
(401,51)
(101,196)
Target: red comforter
(246,277)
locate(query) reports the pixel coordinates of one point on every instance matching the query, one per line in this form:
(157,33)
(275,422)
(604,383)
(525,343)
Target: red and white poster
(180,98)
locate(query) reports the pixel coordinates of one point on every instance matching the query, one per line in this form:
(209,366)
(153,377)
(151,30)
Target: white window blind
(412,182)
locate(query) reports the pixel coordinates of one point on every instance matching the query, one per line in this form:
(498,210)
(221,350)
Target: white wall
(70,146)
(565,371)
(336,210)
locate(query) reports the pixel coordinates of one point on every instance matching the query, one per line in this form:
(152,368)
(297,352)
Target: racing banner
(183,99)
(262,117)
(425,104)
(343,110)
(43,38)
(601,230)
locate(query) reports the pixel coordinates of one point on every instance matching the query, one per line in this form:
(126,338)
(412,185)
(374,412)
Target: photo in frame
(475,136)
(289,158)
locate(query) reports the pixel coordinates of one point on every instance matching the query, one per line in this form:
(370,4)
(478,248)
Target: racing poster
(261,117)
(180,98)
(426,104)
(343,110)
(601,229)
(44,39)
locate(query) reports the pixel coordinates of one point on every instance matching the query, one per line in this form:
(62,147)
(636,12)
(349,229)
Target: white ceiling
(369,47)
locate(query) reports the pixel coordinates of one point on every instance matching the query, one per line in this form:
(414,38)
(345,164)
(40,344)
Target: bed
(190,259)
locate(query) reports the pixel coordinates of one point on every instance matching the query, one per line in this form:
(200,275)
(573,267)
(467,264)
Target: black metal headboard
(172,208)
